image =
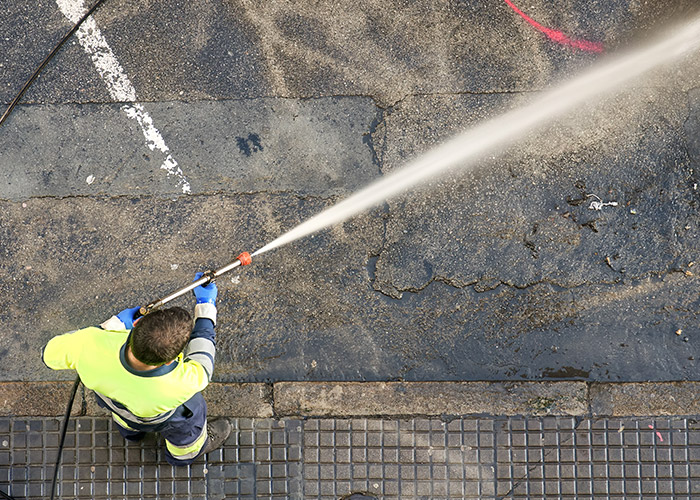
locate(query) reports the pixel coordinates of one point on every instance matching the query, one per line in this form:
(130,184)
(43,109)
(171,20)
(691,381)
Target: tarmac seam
(395,399)
(172,196)
(377,100)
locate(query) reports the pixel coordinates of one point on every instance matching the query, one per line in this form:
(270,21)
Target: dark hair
(161,335)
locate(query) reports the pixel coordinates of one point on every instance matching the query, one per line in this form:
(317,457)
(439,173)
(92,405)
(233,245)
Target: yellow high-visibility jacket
(99,357)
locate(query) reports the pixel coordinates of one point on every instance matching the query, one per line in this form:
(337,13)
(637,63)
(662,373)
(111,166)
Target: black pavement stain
(566,372)
(250,144)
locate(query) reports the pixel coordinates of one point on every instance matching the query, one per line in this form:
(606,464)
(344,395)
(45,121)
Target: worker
(149,371)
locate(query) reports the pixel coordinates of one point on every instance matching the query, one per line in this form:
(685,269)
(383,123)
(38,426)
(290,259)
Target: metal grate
(485,458)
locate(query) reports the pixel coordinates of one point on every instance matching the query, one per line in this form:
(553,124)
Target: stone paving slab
(485,458)
(310,147)
(246,49)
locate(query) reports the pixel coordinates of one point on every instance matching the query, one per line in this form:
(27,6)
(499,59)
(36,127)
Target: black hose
(46,60)
(63,435)
(7,112)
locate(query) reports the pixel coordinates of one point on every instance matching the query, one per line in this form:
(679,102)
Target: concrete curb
(346,399)
(392,399)
(223,400)
(38,399)
(647,398)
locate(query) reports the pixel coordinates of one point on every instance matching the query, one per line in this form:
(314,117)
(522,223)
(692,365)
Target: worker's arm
(202,345)
(62,351)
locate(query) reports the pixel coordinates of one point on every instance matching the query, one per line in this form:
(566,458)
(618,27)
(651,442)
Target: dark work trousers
(185,432)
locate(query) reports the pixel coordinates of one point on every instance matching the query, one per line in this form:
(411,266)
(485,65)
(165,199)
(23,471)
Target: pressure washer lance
(243,259)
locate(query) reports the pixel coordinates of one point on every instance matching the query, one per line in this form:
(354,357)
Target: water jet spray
(490,137)
(467,148)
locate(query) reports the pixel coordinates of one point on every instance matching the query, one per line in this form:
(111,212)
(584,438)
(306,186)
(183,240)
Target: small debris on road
(598,204)
(658,434)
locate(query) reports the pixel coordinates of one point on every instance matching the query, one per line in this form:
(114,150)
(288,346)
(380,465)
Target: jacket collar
(155,372)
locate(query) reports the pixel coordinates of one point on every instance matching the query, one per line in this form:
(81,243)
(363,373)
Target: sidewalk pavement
(305,440)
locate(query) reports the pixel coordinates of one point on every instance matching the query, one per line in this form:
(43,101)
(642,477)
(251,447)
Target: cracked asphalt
(276,111)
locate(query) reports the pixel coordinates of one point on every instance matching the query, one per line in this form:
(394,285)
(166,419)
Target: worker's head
(160,336)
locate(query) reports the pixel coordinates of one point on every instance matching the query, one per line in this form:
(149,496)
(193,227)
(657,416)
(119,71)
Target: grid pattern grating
(485,458)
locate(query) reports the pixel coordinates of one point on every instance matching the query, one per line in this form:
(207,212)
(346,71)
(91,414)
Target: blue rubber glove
(205,294)
(129,317)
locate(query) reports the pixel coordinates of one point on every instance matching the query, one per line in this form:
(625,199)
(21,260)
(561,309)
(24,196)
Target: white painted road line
(118,84)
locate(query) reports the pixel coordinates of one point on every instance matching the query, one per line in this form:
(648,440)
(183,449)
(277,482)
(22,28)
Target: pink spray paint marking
(558,36)
(658,434)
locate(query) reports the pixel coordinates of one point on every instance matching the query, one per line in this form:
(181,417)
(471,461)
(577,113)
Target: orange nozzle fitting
(245,258)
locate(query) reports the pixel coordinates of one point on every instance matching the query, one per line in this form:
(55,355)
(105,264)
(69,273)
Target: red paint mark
(658,434)
(558,36)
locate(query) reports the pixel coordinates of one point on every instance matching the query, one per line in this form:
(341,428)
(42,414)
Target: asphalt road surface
(169,136)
